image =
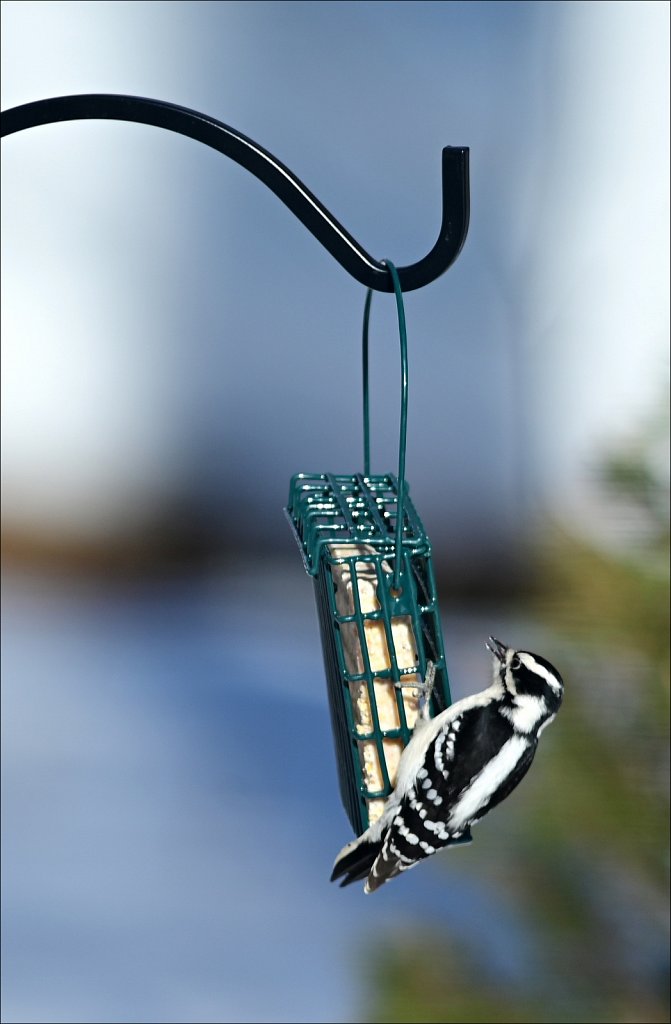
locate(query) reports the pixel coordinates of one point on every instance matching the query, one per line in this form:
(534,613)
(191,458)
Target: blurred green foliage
(581,851)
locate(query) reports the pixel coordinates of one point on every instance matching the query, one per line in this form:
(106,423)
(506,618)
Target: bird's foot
(424,689)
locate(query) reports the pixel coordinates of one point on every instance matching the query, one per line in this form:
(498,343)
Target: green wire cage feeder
(366,548)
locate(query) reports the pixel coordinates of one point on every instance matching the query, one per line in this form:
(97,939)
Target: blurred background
(175,347)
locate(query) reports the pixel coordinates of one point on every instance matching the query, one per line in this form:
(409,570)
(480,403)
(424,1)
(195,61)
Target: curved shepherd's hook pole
(279,179)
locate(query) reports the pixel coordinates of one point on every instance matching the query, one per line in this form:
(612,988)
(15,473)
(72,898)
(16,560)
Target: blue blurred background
(175,346)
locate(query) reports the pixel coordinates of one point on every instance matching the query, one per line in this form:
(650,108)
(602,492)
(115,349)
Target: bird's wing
(420,825)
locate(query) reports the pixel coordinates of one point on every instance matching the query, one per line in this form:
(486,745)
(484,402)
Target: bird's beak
(496,647)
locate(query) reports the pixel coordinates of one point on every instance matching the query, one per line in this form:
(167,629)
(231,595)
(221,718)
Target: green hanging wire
(366,407)
(400,499)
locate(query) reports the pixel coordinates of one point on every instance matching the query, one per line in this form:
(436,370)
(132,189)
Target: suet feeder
(373,636)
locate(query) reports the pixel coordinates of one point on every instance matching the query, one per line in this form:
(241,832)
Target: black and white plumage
(456,767)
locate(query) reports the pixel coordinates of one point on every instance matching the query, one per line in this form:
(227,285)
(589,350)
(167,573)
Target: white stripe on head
(530,662)
(525,712)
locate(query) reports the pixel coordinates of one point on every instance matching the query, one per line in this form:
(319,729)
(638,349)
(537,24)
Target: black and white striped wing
(419,827)
(455,786)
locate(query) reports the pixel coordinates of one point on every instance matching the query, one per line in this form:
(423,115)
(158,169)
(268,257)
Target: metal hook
(279,179)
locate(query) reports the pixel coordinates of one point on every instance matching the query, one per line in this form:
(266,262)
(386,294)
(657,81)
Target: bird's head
(523,675)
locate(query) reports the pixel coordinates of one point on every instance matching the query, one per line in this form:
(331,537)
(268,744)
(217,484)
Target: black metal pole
(279,179)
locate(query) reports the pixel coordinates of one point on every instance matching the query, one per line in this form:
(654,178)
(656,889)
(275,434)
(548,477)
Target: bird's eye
(515,663)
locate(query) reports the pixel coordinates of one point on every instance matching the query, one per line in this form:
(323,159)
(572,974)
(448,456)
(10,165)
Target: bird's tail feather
(355,861)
